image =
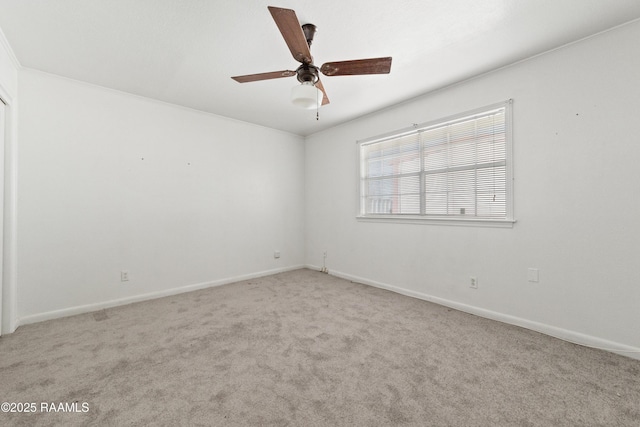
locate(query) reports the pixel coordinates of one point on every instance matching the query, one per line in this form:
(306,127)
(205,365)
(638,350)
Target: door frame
(9,181)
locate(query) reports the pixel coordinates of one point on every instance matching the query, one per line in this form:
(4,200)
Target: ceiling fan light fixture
(306,95)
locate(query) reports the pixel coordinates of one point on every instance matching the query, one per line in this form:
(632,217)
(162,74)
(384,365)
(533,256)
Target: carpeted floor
(307,349)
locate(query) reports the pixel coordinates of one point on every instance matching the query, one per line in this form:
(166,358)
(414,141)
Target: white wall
(180,199)
(577,199)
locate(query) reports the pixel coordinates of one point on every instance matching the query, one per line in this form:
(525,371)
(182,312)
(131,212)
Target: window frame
(507,221)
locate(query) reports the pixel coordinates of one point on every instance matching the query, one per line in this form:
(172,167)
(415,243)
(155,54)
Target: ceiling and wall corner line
(155,101)
(472,78)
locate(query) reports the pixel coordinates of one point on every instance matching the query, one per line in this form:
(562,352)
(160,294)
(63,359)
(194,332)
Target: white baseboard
(71,311)
(563,334)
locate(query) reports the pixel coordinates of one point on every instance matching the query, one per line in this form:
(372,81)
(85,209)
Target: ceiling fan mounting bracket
(309,31)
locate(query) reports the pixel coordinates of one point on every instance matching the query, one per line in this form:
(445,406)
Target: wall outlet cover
(473,282)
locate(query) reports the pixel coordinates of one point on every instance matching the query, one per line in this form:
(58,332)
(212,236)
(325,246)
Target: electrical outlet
(473,282)
(533,275)
(276,254)
(124,276)
(324,262)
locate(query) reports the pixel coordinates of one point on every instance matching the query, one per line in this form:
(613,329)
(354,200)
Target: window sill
(464,222)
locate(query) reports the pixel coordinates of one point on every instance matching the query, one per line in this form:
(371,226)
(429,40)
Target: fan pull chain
(317,104)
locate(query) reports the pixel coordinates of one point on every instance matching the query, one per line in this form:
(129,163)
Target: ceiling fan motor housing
(307,73)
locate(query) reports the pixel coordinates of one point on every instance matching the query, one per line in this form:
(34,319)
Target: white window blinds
(455,168)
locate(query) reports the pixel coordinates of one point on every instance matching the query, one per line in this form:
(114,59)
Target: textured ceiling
(184,52)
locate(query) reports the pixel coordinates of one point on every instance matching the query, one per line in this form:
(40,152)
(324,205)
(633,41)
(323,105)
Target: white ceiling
(185,51)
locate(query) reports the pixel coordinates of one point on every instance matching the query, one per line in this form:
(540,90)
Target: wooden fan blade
(263,76)
(290,28)
(357,67)
(325,98)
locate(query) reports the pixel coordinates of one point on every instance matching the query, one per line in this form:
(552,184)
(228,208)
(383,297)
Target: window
(456,169)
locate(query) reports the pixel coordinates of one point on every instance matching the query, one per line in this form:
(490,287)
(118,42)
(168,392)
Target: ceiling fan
(299,39)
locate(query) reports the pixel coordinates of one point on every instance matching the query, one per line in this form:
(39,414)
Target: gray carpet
(306,349)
